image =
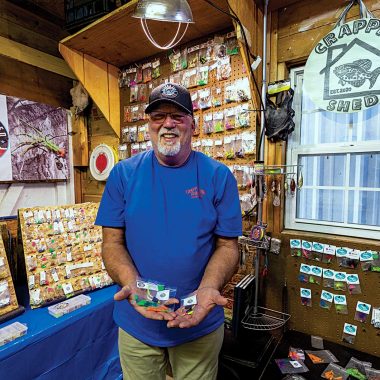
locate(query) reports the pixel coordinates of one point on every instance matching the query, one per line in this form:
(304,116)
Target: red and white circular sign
(102,160)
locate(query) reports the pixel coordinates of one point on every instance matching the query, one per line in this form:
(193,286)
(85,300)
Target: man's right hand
(129,291)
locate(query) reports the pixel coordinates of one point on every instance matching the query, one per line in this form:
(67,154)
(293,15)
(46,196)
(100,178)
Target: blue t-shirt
(170,216)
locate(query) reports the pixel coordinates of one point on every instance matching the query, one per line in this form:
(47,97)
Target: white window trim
(293,152)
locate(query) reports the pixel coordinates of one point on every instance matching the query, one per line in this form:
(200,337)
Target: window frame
(294,150)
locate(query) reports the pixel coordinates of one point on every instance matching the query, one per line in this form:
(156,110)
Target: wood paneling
(28,82)
(80,141)
(100,79)
(118,38)
(21,25)
(298,34)
(34,57)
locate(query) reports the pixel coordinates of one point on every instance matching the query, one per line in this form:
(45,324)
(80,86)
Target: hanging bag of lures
(279,114)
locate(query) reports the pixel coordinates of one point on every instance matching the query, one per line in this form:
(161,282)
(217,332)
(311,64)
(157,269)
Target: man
(170,215)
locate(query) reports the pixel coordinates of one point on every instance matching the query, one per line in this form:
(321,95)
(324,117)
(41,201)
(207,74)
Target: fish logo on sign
(356,73)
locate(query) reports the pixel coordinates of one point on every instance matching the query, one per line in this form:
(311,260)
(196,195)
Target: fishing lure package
(305,297)
(328,253)
(195,100)
(218,122)
(362,311)
(321,356)
(204,98)
(207,123)
(296,353)
(340,302)
(353,284)
(156,69)
(315,275)
(192,56)
(327,299)
(223,68)
(334,371)
(357,368)
(218,149)
(153,295)
(187,304)
(249,142)
(372,373)
(217,96)
(202,79)
(328,278)
(229,147)
(306,249)
(366,259)
(175,61)
(295,248)
(207,147)
(291,366)
(230,118)
(196,126)
(242,116)
(340,281)
(305,271)
(317,252)
(147,72)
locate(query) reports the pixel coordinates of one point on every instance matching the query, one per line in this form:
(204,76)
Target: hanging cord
(249,56)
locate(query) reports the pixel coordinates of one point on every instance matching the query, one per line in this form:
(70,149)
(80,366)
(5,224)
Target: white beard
(168,150)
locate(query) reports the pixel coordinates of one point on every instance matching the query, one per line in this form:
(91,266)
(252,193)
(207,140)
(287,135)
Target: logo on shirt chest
(195,192)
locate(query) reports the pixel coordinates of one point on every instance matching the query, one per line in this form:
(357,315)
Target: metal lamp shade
(164,10)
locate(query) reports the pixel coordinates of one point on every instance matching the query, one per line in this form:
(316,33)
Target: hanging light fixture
(164,10)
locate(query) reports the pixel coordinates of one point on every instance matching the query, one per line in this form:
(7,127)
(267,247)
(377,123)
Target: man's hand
(207,299)
(129,291)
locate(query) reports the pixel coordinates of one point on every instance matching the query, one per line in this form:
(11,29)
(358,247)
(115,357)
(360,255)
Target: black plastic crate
(79,13)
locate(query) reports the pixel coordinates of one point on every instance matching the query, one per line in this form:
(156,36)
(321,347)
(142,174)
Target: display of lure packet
(69,305)
(327,299)
(328,253)
(366,259)
(187,304)
(306,247)
(296,353)
(316,342)
(305,297)
(340,302)
(375,319)
(291,366)
(12,332)
(375,267)
(295,247)
(334,371)
(349,333)
(372,373)
(315,275)
(341,256)
(340,281)
(321,356)
(328,278)
(154,295)
(304,274)
(356,368)
(353,284)
(317,253)
(362,311)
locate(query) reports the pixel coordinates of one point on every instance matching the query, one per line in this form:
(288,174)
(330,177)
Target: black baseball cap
(170,93)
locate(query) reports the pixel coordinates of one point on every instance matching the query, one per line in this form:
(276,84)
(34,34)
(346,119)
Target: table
(81,345)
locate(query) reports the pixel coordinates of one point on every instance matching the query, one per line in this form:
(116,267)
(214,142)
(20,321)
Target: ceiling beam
(34,57)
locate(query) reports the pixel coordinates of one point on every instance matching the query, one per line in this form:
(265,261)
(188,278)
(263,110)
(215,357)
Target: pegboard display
(341,280)
(225,117)
(62,251)
(8,299)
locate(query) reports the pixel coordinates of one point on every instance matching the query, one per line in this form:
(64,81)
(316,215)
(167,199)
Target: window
(339,157)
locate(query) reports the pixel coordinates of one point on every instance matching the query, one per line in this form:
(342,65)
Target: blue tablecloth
(81,345)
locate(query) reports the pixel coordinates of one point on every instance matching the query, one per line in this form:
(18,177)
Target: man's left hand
(207,299)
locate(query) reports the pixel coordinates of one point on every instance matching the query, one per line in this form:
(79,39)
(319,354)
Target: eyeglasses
(160,117)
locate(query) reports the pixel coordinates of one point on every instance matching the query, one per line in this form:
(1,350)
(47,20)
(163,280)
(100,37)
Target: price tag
(295,364)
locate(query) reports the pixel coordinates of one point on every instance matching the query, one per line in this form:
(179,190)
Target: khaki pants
(196,360)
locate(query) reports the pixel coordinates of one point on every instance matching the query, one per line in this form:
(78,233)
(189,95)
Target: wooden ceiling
(118,38)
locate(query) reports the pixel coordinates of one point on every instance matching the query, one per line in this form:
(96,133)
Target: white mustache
(174,131)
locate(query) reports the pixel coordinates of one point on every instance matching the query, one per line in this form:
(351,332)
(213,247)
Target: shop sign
(342,73)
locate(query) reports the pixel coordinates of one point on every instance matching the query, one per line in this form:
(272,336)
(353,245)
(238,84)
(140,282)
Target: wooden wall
(293,32)
(21,79)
